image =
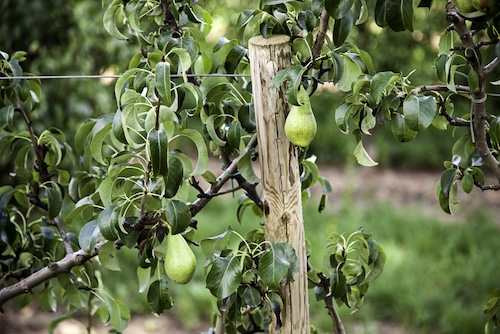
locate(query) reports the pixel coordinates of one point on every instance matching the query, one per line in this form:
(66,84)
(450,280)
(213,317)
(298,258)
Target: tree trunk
(280,173)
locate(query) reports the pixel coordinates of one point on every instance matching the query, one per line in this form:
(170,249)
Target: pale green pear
(180,262)
(300,124)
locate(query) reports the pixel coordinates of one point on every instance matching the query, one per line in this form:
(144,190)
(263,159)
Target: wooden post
(280,173)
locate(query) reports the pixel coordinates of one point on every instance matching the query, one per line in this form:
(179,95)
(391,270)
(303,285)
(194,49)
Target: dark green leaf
(216,244)
(467,183)
(233,58)
(400,130)
(342,28)
(162,80)
(396,14)
(338,8)
(158,149)
(274,265)
(419,112)
(175,176)
(178,216)
(54,198)
(224,277)
(107,222)
(158,296)
(448,178)
(110,18)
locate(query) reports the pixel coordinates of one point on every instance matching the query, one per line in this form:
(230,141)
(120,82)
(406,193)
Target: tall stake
(280,173)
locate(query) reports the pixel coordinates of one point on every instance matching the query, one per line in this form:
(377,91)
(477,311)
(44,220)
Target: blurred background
(440,268)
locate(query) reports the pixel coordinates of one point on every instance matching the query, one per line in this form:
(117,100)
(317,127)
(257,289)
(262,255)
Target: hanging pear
(300,124)
(180,262)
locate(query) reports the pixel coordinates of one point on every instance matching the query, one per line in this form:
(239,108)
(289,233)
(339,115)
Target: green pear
(464,6)
(300,124)
(180,262)
(486,6)
(477,10)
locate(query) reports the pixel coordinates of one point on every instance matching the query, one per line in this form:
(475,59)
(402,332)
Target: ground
(364,185)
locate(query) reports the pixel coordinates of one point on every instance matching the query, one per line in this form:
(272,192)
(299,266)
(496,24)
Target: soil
(362,187)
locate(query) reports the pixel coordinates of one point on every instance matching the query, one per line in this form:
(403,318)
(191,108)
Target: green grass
(436,278)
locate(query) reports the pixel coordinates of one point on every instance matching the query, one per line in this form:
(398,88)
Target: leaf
(273,266)
(419,112)
(158,296)
(400,130)
(224,277)
(111,17)
(119,314)
(467,182)
(211,129)
(143,277)
(158,152)
(350,73)
(54,198)
(47,299)
(6,117)
(99,133)
(107,221)
(362,156)
(178,216)
(380,83)
(396,14)
(294,77)
(245,167)
(473,80)
(448,178)
(197,139)
(342,28)
(89,235)
(233,58)
(108,257)
(338,8)
(342,115)
(216,244)
(162,80)
(174,176)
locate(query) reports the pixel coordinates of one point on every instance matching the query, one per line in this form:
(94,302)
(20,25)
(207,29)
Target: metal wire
(46,77)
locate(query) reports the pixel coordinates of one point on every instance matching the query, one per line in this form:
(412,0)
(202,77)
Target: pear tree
(128,177)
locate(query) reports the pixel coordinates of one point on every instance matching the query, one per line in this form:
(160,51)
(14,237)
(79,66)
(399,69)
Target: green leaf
(178,216)
(107,222)
(99,133)
(224,277)
(89,235)
(174,177)
(396,14)
(400,130)
(245,167)
(197,139)
(342,116)
(47,299)
(158,152)
(362,156)
(378,265)
(162,80)
(54,198)
(111,16)
(467,182)
(81,135)
(233,58)
(158,296)
(216,244)
(338,8)
(119,314)
(294,77)
(143,277)
(108,256)
(448,178)
(419,112)
(473,80)
(211,129)
(342,28)
(6,117)
(350,73)
(274,265)
(380,83)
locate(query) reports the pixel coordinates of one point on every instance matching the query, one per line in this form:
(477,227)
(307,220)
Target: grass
(436,278)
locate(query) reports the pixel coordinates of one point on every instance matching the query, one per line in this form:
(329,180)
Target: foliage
(131,172)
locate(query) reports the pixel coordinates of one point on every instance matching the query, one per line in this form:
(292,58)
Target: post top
(270,40)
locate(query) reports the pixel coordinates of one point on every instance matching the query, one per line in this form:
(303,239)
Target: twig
(200,203)
(495,187)
(62,232)
(338,327)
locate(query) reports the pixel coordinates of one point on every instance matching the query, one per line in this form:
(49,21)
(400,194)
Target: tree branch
(338,327)
(53,269)
(197,205)
(320,37)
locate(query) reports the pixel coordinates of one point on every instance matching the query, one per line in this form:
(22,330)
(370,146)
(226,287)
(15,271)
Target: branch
(440,88)
(62,232)
(200,203)
(320,37)
(50,271)
(338,327)
(495,187)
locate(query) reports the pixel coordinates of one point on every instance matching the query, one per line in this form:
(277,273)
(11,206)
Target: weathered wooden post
(279,172)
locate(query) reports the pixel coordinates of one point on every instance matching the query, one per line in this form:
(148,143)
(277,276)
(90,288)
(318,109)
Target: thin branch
(50,271)
(338,327)
(495,187)
(200,203)
(491,65)
(440,88)
(62,232)
(320,37)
